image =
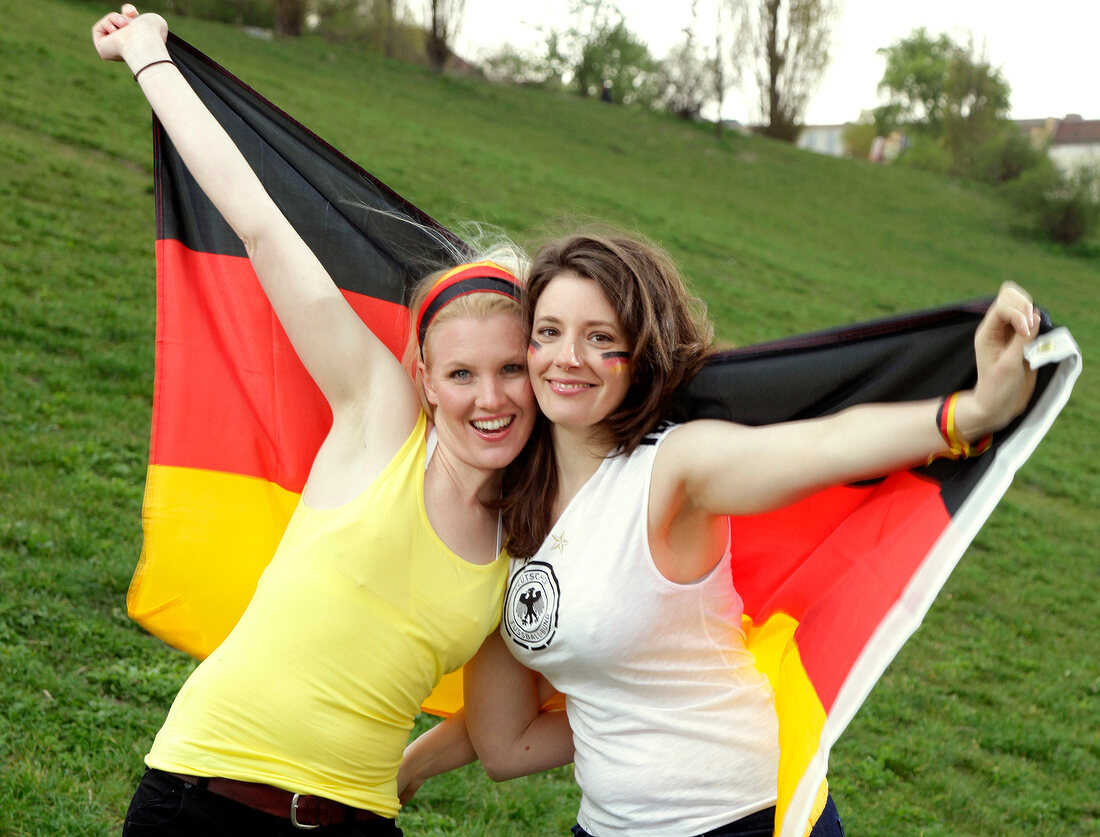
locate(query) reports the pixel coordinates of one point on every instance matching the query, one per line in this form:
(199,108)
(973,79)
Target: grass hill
(985,724)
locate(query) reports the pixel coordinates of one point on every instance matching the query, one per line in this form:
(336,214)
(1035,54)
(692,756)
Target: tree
(786,44)
(719,78)
(683,75)
(609,59)
(445,17)
(722,75)
(391,10)
(258,13)
(596,55)
(290,17)
(946,94)
(859,136)
(514,66)
(916,77)
(977,104)
(380,24)
(937,83)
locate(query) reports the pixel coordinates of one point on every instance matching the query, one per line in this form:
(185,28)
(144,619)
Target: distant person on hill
(298,719)
(619,594)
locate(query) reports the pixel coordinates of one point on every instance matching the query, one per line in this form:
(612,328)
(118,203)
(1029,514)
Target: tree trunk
(290,17)
(437,36)
(391,24)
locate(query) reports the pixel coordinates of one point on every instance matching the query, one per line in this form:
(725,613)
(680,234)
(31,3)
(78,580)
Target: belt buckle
(294,816)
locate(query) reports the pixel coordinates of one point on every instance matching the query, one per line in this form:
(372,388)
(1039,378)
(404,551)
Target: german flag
(832,586)
(835,584)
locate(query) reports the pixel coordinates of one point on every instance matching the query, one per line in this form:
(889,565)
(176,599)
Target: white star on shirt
(559,543)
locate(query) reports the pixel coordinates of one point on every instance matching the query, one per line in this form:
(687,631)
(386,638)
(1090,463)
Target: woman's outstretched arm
(353,369)
(714,468)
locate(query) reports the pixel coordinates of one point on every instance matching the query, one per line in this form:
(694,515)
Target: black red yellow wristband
(957,447)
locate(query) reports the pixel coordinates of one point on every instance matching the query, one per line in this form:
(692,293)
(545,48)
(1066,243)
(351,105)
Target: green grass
(986,724)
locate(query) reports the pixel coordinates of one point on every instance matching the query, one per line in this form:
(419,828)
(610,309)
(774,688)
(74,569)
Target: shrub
(1064,207)
(511,65)
(1005,156)
(857,138)
(241,12)
(927,154)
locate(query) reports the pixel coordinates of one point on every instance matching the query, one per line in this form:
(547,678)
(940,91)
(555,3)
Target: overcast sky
(1046,50)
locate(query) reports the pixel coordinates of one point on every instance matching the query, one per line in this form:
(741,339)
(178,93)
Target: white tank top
(674,728)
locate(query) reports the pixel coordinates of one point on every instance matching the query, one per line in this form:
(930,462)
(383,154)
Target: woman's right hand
(1005,380)
(127,36)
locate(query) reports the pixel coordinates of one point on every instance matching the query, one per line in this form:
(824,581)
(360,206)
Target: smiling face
(579,355)
(476,380)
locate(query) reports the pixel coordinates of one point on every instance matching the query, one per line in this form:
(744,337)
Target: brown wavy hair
(669,337)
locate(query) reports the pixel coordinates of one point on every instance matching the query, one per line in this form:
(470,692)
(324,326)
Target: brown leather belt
(302,810)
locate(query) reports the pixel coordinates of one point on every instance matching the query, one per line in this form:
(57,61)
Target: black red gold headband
(487,277)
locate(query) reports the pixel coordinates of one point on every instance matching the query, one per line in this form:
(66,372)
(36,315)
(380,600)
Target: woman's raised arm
(353,369)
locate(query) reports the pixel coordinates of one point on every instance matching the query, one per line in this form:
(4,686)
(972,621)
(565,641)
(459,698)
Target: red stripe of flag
(843,559)
(234,373)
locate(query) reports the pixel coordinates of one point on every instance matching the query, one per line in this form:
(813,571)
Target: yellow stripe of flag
(212,534)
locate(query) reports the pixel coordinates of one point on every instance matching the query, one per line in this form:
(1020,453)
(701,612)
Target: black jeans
(169,807)
(762,824)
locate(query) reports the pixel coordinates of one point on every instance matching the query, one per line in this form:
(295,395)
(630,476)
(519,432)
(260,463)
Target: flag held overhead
(832,586)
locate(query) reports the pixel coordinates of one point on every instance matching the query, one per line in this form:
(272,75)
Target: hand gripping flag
(832,586)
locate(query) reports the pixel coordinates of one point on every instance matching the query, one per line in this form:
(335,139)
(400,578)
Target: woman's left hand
(1005,380)
(130,37)
(407,786)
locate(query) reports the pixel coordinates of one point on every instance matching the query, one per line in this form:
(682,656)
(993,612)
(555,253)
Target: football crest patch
(531,606)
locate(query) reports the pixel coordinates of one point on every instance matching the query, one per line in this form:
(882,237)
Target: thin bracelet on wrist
(151,63)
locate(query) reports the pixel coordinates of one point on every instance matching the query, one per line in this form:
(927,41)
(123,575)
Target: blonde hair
(478,306)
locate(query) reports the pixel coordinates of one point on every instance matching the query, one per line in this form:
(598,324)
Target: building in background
(823,139)
(1075,143)
(1072,142)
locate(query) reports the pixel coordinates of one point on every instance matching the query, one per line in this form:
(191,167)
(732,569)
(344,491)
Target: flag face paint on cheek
(616,361)
(533,347)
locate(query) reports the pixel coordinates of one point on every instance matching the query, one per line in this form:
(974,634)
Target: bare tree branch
(445,18)
(786,44)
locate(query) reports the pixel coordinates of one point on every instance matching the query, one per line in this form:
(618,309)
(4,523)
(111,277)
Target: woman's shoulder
(694,447)
(698,433)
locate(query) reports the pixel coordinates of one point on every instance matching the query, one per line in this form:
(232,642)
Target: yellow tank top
(360,612)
